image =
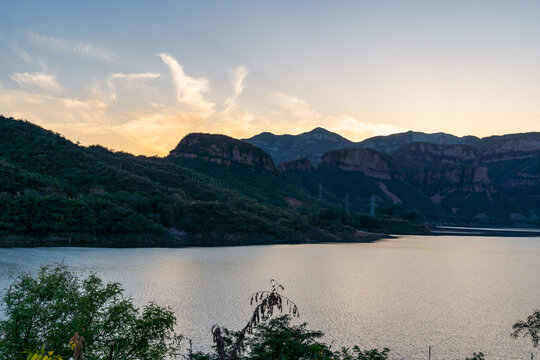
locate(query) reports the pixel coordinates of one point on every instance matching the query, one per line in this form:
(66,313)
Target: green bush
(49,308)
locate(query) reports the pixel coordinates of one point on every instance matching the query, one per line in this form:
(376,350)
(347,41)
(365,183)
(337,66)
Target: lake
(457,294)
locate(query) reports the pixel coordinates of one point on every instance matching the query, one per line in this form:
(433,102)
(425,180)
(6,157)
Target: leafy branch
(267,302)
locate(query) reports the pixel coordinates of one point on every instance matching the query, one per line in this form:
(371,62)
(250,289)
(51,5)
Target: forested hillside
(53,188)
(216,190)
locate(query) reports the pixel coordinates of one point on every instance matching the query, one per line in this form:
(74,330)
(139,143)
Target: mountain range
(215,190)
(472,180)
(314,144)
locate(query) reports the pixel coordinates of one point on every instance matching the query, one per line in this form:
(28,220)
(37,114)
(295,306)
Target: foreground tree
(278,339)
(266,303)
(529,328)
(274,338)
(476,356)
(50,308)
(358,354)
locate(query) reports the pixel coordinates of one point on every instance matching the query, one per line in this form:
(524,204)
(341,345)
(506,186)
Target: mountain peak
(319,129)
(310,145)
(221,149)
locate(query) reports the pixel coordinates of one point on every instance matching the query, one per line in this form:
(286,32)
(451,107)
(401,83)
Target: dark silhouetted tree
(529,328)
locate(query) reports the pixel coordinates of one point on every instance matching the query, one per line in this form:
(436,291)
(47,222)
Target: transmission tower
(372,206)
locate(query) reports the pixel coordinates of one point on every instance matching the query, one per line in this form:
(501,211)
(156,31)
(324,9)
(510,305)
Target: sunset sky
(138,76)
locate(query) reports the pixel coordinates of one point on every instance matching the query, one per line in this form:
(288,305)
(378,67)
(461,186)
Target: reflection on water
(457,294)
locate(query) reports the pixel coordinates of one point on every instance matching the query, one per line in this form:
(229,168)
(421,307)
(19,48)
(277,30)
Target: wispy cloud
(98,119)
(36,79)
(162,129)
(135,76)
(238,76)
(20,52)
(130,79)
(156,124)
(79,48)
(301,116)
(233,119)
(26,57)
(189,91)
(356,129)
(297,107)
(53,111)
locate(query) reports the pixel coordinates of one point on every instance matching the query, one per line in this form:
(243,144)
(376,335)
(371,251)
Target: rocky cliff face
(221,149)
(459,178)
(484,181)
(369,162)
(427,152)
(510,149)
(498,178)
(522,180)
(296,165)
(424,162)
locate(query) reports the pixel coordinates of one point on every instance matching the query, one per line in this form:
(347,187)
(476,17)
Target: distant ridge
(391,143)
(312,145)
(214,190)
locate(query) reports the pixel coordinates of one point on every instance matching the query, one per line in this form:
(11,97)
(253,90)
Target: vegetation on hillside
(51,187)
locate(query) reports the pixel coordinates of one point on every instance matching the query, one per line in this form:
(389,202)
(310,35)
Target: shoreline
(484,231)
(130,241)
(149,241)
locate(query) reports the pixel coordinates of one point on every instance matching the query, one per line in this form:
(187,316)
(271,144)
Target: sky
(137,76)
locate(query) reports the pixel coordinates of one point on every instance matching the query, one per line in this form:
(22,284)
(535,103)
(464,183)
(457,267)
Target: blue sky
(138,76)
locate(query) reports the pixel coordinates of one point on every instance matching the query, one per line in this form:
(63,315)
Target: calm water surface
(457,294)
